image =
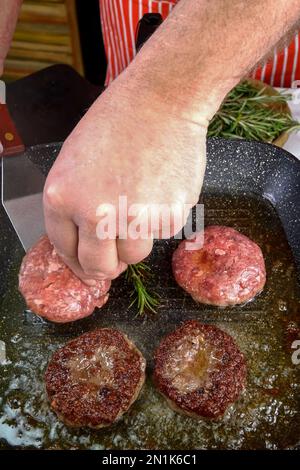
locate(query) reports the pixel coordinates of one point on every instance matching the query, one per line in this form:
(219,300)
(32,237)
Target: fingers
(168,220)
(63,233)
(109,258)
(89,257)
(132,251)
(98,255)
(98,258)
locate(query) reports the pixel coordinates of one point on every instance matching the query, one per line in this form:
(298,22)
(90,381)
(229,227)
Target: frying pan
(250,186)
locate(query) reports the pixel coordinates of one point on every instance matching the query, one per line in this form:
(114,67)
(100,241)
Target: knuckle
(90,225)
(53,196)
(195,198)
(87,221)
(134,258)
(87,261)
(93,266)
(97,273)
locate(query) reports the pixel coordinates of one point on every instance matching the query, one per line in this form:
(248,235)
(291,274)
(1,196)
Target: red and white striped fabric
(284,68)
(119,19)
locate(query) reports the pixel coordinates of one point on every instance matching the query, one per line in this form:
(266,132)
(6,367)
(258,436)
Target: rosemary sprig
(137,274)
(249,113)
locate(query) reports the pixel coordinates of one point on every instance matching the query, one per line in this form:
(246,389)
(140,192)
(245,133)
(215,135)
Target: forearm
(9,10)
(209,45)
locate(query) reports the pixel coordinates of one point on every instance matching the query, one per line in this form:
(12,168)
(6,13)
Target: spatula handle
(9,137)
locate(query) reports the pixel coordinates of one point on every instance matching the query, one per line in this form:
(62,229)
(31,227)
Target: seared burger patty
(94,379)
(53,291)
(228,269)
(199,369)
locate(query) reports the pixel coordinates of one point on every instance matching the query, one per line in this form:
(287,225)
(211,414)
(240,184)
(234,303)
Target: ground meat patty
(199,369)
(52,290)
(94,379)
(229,269)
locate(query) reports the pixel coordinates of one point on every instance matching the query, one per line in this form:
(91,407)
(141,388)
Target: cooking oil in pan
(267,415)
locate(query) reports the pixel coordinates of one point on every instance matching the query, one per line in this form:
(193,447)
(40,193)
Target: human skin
(144,137)
(9,10)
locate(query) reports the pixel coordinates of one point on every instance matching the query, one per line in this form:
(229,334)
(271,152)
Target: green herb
(249,113)
(137,275)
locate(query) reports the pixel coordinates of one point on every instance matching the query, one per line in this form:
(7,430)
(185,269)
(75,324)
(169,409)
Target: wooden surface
(46,34)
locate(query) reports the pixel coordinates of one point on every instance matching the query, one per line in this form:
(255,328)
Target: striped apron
(119,19)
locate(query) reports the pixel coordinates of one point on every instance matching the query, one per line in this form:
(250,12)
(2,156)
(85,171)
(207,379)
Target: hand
(131,144)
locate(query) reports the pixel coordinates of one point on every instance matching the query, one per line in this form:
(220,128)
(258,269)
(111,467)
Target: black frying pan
(251,186)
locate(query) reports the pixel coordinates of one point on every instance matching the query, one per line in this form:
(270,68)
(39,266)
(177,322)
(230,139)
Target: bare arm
(145,136)
(9,10)
(206,46)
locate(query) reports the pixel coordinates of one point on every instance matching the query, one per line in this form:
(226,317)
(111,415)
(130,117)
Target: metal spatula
(22,184)
(41,108)
(22,189)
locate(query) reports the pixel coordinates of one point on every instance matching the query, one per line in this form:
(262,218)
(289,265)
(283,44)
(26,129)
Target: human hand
(130,144)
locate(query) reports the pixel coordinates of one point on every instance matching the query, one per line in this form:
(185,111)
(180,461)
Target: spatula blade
(22,197)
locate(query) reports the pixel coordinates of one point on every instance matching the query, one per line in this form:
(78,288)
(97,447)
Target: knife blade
(22,197)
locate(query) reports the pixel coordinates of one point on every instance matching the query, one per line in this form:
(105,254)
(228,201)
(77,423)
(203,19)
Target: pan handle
(9,137)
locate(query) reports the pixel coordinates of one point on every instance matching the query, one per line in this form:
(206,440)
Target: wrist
(196,100)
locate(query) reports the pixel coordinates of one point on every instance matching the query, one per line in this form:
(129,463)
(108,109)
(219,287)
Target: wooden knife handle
(9,137)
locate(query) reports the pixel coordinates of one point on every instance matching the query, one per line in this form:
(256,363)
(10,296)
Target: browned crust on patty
(215,385)
(94,379)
